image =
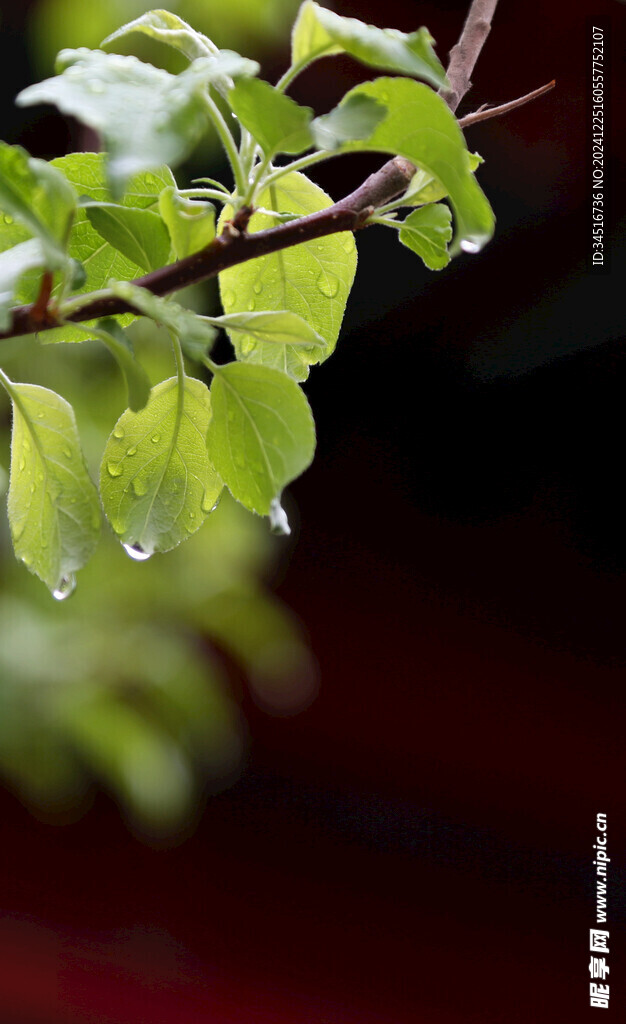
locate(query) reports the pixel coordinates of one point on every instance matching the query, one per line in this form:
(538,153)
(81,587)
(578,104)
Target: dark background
(417,845)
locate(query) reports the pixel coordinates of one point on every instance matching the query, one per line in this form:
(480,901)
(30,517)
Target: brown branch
(484,113)
(464,55)
(235,245)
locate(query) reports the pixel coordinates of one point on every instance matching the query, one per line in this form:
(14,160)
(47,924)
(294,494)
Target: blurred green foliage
(123,686)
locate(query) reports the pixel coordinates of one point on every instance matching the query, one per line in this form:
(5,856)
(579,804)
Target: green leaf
(146,116)
(261,434)
(312,279)
(140,235)
(33,192)
(281,328)
(195,332)
(278,123)
(102,262)
(54,511)
(419,126)
(427,232)
(13,264)
(191,224)
(167,28)
(156,481)
(319,31)
(355,119)
(136,378)
(423,188)
(309,38)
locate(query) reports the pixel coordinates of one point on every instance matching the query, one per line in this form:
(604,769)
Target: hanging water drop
(65,588)
(468,246)
(136,552)
(279,524)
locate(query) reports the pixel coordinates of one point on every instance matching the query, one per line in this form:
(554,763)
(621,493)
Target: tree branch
(235,245)
(484,113)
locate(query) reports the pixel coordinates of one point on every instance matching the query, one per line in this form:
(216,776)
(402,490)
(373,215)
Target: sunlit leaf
(140,235)
(423,188)
(191,224)
(419,126)
(54,511)
(427,232)
(146,116)
(278,123)
(281,328)
(34,193)
(312,279)
(191,329)
(355,119)
(319,32)
(167,28)
(156,481)
(261,434)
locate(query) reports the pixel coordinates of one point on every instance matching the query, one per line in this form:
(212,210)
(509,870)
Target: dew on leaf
(247,346)
(114,468)
(140,486)
(136,552)
(65,588)
(67,452)
(228,298)
(155,438)
(257,288)
(8,219)
(131,451)
(328,284)
(250,305)
(348,244)
(118,433)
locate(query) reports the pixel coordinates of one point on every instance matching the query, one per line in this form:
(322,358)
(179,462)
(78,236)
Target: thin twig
(484,113)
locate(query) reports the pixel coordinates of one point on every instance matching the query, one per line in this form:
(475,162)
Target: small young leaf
(419,126)
(261,434)
(385,48)
(156,481)
(427,232)
(312,279)
(195,332)
(140,235)
(355,119)
(54,511)
(280,328)
(423,188)
(13,264)
(146,116)
(167,28)
(191,224)
(34,192)
(278,123)
(137,382)
(309,38)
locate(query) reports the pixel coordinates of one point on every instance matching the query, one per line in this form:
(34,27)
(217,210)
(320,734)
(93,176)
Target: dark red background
(416,846)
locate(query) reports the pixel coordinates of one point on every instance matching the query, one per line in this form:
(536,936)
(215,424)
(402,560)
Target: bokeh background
(377,803)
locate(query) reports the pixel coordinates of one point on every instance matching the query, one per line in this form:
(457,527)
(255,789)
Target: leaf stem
(227,140)
(303,161)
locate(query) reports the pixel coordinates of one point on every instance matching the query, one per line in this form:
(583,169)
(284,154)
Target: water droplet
(131,451)
(348,244)
(118,525)
(155,438)
(140,486)
(247,346)
(468,246)
(40,478)
(208,505)
(40,415)
(136,552)
(114,468)
(257,288)
(67,452)
(8,219)
(192,515)
(22,464)
(95,85)
(118,433)
(151,180)
(66,587)
(250,305)
(328,284)
(279,524)
(228,298)
(26,444)
(32,490)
